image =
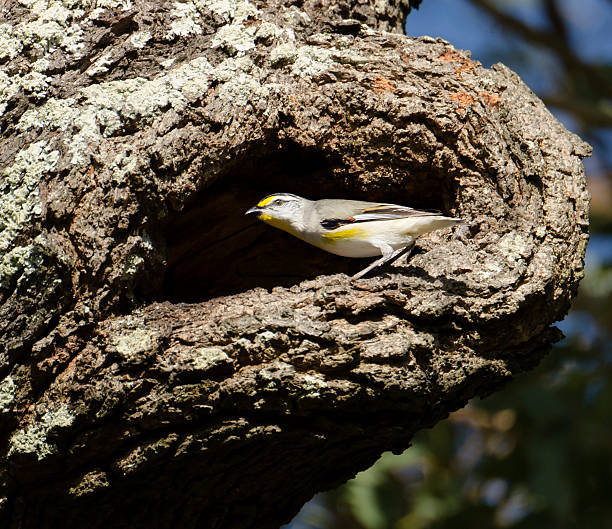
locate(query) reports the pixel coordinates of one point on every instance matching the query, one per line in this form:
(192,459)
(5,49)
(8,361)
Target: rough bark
(166,363)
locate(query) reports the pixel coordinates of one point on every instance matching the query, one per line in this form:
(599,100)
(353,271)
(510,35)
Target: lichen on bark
(166,363)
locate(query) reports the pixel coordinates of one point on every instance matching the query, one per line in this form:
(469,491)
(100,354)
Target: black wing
(377,212)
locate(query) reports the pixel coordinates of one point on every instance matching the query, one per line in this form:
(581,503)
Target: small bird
(350,228)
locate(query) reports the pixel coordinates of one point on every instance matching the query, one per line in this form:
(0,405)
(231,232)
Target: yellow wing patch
(349,233)
(266,201)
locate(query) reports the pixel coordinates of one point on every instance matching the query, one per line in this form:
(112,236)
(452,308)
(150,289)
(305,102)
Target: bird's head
(281,210)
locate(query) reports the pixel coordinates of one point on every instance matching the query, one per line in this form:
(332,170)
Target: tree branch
(167,364)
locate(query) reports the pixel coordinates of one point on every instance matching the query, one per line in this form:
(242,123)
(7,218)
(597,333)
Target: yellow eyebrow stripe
(349,233)
(266,201)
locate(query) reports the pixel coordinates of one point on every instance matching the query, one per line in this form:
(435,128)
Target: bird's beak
(252,211)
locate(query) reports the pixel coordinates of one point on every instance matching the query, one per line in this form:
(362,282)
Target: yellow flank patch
(266,201)
(349,233)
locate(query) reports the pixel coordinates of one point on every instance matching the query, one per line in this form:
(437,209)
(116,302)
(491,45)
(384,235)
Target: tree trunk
(168,363)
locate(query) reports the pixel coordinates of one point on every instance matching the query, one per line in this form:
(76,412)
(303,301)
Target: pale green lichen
(8,390)
(243,343)
(103,109)
(123,165)
(241,81)
(167,63)
(41,65)
(234,39)
(146,241)
(514,246)
(56,114)
(229,68)
(33,438)
(205,358)
(488,268)
(267,336)
(142,99)
(54,26)
(192,79)
(311,61)
(112,5)
(21,261)
(133,342)
(10,45)
(101,65)
(184,21)
(50,25)
(349,57)
(103,6)
(19,189)
(109,122)
(133,264)
(312,384)
(138,248)
(35,83)
(89,483)
(294,16)
(268,31)
(540,232)
(139,40)
(243,89)
(8,90)
(283,54)
(144,453)
(236,11)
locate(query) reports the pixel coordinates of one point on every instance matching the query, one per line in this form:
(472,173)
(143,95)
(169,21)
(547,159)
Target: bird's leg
(387,258)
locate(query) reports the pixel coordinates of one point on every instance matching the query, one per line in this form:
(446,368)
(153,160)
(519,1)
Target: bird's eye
(277,202)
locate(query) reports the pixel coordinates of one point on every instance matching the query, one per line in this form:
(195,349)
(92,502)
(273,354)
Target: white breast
(364,239)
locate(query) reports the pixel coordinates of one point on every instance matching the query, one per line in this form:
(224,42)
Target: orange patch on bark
(465,64)
(382,85)
(490,99)
(462,98)
(451,55)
